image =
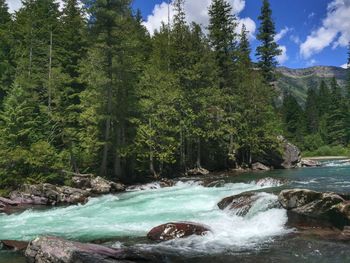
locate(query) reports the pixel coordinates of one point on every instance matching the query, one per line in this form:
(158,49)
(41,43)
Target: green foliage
(7,68)
(103,96)
(268,50)
(327,150)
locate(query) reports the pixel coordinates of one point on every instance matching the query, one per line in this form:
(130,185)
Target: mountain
(298,81)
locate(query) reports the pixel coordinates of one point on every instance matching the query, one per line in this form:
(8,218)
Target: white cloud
(282,34)
(344,66)
(14,5)
(311,15)
(283,57)
(311,62)
(334,30)
(295,39)
(196,11)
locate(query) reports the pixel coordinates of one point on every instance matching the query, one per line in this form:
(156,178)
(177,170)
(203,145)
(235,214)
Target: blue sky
(312,32)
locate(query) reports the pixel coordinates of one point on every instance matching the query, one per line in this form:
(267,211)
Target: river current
(259,236)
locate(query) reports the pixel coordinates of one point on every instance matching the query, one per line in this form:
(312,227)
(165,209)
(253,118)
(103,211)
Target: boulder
(171,231)
(97,185)
(311,208)
(260,167)
(309,163)
(58,250)
(100,186)
(69,195)
(291,154)
(82,181)
(197,172)
(14,244)
(48,194)
(240,203)
(7,204)
(286,156)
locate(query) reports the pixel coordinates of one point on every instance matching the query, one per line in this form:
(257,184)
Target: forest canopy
(88,89)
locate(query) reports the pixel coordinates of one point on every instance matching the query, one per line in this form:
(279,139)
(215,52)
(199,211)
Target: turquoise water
(128,217)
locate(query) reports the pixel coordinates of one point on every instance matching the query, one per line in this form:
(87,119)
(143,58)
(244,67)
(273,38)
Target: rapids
(125,219)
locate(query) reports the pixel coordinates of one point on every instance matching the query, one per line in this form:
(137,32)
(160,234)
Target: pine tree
(223,40)
(336,118)
(324,99)
(293,118)
(222,36)
(6,44)
(268,50)
(67,86)
(312,111)
(111,72)
(256,126)
(348,98)
(37,32)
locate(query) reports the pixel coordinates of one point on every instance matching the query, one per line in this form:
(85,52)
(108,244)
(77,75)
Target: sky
(309,32)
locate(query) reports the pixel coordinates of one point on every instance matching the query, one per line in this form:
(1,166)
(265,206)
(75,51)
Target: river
(260,236)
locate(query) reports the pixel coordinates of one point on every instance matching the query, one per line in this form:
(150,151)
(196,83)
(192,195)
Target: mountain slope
(298,81)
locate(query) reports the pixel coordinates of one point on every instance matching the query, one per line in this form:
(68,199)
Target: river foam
(133,214)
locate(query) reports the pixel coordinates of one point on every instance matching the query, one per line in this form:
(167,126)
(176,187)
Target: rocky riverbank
(84,186)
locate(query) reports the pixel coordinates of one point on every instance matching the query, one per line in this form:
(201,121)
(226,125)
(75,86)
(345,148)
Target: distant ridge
(298,81)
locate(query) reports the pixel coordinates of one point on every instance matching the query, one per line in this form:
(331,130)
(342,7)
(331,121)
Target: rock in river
(14,244)
(58,250)
(241,203)
(171,231)
(311,208)
(260,167)
(309,163)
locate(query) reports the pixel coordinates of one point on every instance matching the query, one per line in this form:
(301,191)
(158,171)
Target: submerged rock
(270,182)
(152,186)
(260,167)
(14,244)
(58,250)
(311,208)
(171,231)
(241,203)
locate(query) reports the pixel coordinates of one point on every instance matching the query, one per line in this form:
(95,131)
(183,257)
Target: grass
(328,151)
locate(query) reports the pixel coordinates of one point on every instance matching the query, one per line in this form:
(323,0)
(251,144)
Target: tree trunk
(198,162)
(50,73)
(151,161)
(182,150)
(30,52)
(104,163)
(117,161)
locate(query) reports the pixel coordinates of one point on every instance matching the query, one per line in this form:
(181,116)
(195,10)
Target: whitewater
(125,219)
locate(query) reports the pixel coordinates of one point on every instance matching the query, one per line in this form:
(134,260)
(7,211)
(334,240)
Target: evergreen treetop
(269,49)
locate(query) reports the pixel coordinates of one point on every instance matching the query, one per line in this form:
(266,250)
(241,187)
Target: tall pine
(7,67)
(268,49)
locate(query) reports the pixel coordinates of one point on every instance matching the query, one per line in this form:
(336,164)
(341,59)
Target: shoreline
(322,158)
